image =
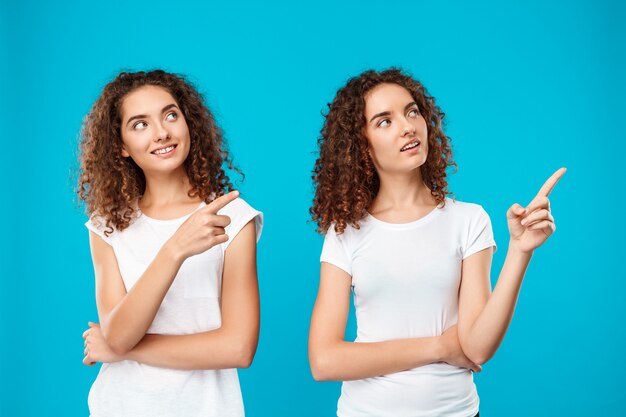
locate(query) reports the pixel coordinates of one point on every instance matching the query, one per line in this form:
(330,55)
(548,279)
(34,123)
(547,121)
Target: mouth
(412,144)
(164,151)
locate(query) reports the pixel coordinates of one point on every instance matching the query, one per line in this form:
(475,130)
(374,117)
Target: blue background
(527,87)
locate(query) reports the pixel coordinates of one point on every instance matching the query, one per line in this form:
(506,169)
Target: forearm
(486,334)
(215,349)
(344,361)
(129,320)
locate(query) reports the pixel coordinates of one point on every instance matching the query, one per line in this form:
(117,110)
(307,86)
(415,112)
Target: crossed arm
(125,317)
(332,358)
(483,321)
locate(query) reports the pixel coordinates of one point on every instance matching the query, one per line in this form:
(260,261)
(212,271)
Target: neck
(401,192)
(166,189)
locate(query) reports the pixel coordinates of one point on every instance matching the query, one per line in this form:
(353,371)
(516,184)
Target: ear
(125,153)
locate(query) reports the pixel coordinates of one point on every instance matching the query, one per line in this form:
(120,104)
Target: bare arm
(125,317)
(332,358)
(233,345)
(484,318)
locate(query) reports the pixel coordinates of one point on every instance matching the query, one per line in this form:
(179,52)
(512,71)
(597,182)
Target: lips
(164,150)
(410,145)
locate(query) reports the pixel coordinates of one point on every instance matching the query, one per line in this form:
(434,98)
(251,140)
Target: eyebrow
(143,116)
(387,113)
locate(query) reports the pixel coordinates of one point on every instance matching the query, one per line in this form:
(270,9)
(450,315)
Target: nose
(161,133)
(408,128)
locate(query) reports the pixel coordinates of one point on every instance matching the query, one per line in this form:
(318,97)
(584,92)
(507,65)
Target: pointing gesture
(203,229)
(219,203)
(531,226)
(548,186)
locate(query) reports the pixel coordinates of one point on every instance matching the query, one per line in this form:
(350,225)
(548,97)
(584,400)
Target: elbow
(244,359)
(477,354)
(479,358)
(243,355)
(116,343)
(118,346)
(321,367)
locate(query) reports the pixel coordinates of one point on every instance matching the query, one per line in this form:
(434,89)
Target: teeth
(410,146)
(164,150)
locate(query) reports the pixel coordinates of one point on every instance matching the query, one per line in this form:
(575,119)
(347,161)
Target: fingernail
(524,222)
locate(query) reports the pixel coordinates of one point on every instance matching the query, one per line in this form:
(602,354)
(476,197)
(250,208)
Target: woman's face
(154,132)
(395,129)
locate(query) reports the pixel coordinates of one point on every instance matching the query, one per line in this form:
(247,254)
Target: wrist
(172,251)
(440,349)
(516,251)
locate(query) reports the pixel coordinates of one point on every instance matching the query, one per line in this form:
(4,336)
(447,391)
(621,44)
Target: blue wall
(527,87)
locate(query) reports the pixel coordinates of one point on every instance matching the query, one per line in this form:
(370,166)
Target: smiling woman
(111,181)
(174,254)
(162,132)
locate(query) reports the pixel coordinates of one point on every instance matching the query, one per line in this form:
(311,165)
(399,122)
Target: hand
(203,229)
(452,352)
(530,227)
(96,348)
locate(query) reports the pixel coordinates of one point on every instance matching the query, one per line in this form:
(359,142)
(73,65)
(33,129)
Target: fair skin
(155,135)
(393,126)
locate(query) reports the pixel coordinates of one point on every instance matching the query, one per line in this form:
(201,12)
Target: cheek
(422,129)
(130,145)
(422,126)
(381,141)
(135,144)
(182,128)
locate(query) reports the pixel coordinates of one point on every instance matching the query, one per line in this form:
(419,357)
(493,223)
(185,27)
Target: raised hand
(531,226)
(203,229)
(96,348)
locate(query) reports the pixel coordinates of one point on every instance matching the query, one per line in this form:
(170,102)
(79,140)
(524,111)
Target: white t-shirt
(191,305)
(406,280)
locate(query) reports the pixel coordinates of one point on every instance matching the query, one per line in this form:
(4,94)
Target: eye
(171,116)
(384,123)
(414,112)
(140,125)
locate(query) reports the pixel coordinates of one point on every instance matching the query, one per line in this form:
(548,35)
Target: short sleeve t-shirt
(191,305)
(406,280)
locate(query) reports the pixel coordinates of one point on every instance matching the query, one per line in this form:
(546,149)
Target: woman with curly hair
(417,261)
(174,254)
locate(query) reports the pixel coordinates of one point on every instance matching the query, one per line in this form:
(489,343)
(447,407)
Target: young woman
(174,255)
(417,261)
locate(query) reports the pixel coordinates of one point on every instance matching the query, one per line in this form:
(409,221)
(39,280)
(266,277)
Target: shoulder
(347,233)
(463,215)
(98,225)
(463,209)
(236,207)
(240,213)
(346,239)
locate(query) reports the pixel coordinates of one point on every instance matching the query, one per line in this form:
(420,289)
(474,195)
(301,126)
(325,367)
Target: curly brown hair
(345,178)
(110,184)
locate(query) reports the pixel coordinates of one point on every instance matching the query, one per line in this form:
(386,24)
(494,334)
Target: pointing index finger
(547,187)
(220,202)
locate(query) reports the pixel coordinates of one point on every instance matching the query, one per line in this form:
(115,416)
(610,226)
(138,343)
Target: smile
(410,145)
(165,150)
